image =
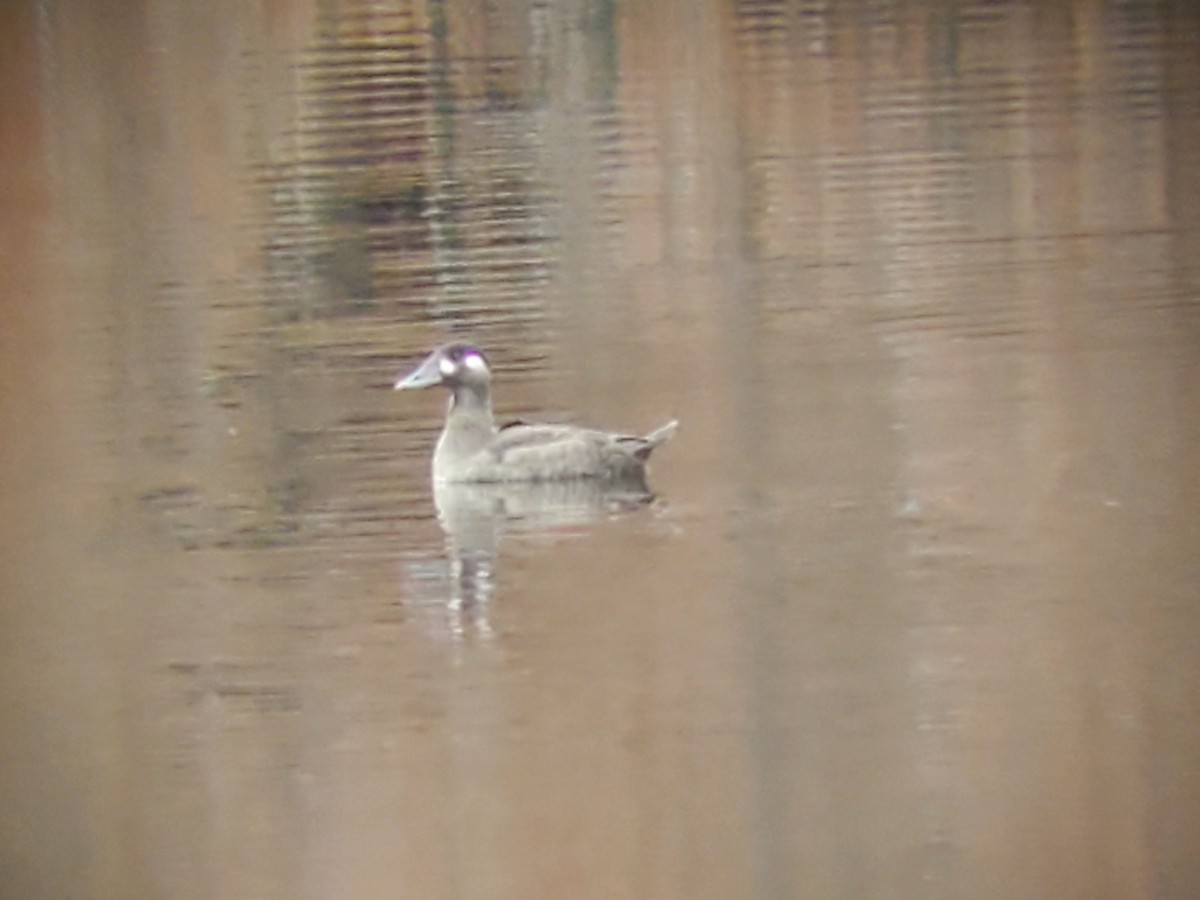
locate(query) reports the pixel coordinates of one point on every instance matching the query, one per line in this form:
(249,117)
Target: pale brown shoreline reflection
(915,612)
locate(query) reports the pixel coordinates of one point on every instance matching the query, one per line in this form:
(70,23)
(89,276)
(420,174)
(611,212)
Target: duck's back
(523,452)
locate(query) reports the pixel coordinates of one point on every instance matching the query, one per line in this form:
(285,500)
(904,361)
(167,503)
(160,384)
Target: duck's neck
(472,403)
(469,422)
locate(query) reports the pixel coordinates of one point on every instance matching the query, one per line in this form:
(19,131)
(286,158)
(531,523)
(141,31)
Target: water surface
(913,609)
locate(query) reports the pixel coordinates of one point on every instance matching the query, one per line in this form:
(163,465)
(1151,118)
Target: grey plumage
(472,449)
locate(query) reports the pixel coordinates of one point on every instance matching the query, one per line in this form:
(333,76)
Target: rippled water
(914,607)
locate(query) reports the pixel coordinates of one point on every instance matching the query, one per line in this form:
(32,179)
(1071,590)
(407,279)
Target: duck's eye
(447,366)
(474,361)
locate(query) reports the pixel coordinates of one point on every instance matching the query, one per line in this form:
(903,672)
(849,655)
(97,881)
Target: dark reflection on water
(918,617)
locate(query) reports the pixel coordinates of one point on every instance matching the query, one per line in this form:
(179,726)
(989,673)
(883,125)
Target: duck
(472,449)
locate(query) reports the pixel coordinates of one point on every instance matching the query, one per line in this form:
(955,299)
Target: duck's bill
(427,374)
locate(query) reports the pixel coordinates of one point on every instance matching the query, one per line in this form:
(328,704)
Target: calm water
(915,610)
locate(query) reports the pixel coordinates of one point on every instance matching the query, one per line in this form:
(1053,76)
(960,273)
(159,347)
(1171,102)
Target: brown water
(915,612)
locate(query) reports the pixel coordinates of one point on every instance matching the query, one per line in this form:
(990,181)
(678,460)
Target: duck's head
(452,365)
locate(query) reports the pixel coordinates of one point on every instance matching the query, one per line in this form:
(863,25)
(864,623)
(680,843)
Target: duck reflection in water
(476,517)
(542,481)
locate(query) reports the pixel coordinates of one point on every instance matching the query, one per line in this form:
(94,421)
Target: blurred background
(915,610)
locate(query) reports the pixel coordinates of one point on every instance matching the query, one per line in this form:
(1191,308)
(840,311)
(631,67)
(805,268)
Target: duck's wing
(551,452)
(548,452)
(521,443)
(515,437)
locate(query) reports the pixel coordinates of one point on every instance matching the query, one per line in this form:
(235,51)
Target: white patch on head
(446,366)
(474,361)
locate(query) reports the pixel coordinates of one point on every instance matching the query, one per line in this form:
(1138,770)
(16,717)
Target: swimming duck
(472,449)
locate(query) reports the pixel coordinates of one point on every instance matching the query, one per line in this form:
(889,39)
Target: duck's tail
(656,437)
